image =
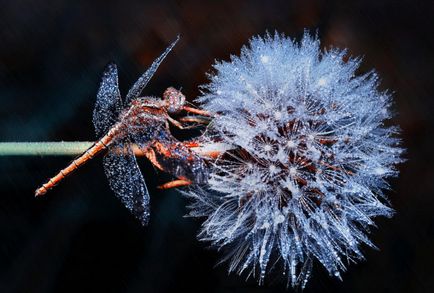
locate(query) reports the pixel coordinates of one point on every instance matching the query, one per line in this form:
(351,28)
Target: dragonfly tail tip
(40,192)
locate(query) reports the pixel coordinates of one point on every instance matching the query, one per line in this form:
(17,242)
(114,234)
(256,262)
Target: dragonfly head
(174,100)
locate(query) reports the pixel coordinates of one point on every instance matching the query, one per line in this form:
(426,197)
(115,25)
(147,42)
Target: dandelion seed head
(309,158)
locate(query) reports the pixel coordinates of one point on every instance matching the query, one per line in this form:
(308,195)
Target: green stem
(60,148)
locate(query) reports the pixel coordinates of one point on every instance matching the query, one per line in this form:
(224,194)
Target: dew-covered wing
(126,180)
(108,101)
(141,83)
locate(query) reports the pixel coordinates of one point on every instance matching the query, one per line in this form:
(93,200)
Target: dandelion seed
(322,81)
(312,135)
(265,59)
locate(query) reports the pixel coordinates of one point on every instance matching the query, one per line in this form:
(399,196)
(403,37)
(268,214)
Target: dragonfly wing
(108,101)
(141,83)
(126,180)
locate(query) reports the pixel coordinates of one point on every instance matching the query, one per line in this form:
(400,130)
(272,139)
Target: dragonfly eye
(174,100)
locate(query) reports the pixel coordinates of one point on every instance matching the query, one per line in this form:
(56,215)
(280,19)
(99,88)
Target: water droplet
(265,59)
(291,144)
(267,147)
(322,81)
(277,115)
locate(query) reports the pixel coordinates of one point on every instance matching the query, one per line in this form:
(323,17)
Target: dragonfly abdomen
(97,147)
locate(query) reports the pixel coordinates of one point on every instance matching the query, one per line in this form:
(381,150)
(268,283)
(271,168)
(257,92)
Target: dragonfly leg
(197,111)
(195,119)
(194,146)
(179,124)
(212,154)
(175,183)
(208,150)
(151,156)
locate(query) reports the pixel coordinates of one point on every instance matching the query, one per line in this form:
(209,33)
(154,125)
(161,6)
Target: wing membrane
(126,180)
(108,101)
(143,80)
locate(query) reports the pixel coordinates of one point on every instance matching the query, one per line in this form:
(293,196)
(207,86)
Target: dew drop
(322,81)
(265,59)
(267,148)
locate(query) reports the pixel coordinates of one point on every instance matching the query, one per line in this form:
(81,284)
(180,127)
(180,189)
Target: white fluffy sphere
(310,156)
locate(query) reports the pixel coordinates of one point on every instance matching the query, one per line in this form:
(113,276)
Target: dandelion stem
(60,148)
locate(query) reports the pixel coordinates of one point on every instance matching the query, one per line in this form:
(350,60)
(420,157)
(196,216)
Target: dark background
(80,238)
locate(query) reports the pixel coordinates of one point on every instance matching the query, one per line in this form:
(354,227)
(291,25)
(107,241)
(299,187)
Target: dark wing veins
(126,180)
(108,101)
(143,80)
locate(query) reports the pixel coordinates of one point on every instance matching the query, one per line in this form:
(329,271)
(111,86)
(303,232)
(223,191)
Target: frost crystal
(310,155)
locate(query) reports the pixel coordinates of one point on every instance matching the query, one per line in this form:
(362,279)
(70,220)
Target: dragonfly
(143,123)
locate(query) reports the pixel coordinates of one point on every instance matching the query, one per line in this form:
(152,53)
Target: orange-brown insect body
(143,126)
(148,118)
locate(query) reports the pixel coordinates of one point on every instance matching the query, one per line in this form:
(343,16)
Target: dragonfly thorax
(144,113)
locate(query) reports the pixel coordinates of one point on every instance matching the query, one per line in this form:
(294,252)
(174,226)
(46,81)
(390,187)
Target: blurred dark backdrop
(80,238)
